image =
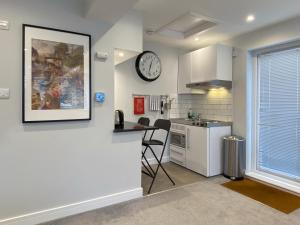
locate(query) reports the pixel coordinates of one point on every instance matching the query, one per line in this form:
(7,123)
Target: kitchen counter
(202,123)
(130,127)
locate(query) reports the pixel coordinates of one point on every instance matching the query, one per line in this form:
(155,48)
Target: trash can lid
(234,138)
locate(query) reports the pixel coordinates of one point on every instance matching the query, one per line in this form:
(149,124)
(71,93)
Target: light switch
(4,25)
(4,93)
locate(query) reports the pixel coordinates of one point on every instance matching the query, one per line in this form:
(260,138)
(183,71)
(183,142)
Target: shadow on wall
(127,137)
(52,126)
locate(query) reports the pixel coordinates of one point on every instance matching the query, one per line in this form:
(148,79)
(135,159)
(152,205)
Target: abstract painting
(56,75)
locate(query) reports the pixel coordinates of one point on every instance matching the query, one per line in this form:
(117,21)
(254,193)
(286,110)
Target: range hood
(210,84)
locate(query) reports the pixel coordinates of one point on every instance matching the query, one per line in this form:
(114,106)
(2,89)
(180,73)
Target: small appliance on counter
(119,119)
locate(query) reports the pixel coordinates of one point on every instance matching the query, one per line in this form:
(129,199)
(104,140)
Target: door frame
(252,131)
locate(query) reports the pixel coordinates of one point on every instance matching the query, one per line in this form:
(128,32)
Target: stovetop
(202,122)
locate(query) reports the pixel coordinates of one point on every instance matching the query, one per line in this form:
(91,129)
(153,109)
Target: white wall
(243,75)
(43,166)
(127,81)
(268,36)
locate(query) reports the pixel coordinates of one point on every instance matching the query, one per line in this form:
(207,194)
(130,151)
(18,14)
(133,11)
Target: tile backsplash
(216,104)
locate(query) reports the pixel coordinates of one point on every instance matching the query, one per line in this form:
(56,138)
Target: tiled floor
(180,175)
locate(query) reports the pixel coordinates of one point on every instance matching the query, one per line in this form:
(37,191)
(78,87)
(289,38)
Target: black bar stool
(144,121)
(162,125)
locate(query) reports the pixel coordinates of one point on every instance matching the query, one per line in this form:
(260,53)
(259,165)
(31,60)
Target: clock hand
(150,66)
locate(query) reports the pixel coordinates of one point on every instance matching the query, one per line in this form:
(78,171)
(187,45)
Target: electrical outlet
(4,93)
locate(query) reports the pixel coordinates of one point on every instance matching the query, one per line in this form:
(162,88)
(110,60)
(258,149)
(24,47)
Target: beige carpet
(202,203)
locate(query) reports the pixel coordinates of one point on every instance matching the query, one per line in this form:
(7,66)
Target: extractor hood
(211,84)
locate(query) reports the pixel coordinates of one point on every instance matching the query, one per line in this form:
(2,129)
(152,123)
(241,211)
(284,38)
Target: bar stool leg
(156,171)
(149,166)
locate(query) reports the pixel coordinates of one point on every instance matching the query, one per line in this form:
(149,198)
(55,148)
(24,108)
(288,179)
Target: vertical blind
(278,113)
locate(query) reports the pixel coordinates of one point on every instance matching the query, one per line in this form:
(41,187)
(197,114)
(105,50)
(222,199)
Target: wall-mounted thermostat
(100,97)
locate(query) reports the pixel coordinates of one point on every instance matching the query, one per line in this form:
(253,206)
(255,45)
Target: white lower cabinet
(196,149)
(177,155)
(204,150)
(215,149)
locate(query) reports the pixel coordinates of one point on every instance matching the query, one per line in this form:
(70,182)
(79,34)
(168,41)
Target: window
(278,113)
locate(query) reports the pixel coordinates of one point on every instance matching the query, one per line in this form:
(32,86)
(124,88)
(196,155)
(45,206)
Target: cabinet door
(197,149)
(216,135)
(184,73)
(224,62)
(204,64)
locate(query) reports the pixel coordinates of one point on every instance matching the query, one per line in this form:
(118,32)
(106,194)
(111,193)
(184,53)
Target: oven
(177,139)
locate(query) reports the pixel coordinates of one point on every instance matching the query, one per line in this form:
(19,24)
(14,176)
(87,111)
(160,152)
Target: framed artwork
(139,105)
(56,75)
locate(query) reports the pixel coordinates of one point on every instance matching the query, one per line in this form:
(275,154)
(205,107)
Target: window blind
(278,113)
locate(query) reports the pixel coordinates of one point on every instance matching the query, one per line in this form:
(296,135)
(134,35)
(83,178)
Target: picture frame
(56,83)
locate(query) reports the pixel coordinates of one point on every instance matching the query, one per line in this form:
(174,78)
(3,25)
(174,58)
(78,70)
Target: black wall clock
(148,66)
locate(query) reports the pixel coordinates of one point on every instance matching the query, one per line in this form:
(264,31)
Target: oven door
(177,139)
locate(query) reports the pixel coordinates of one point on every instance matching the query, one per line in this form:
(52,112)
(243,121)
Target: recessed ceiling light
(121,54)
(250,18)
(196,39)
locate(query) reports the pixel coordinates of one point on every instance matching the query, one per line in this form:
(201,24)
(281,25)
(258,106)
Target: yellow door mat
(273,197)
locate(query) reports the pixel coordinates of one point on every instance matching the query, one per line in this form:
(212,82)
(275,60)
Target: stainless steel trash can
(234,157)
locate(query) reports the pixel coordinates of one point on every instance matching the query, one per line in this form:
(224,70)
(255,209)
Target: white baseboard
(72,209)
(153,161)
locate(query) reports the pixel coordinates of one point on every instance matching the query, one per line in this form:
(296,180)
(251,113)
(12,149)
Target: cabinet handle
(188,138)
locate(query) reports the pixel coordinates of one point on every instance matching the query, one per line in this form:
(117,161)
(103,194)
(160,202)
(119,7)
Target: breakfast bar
(131,126)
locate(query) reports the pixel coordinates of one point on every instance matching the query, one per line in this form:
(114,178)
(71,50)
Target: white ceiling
(108,10)
(229,14)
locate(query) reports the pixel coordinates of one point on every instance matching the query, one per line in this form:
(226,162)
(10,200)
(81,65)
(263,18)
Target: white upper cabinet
(206,64)
(212,63)
(185,75)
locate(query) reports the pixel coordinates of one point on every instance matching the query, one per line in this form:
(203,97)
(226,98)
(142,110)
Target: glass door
(278,114)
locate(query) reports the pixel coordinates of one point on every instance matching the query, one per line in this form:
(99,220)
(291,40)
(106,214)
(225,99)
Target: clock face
(148,66)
